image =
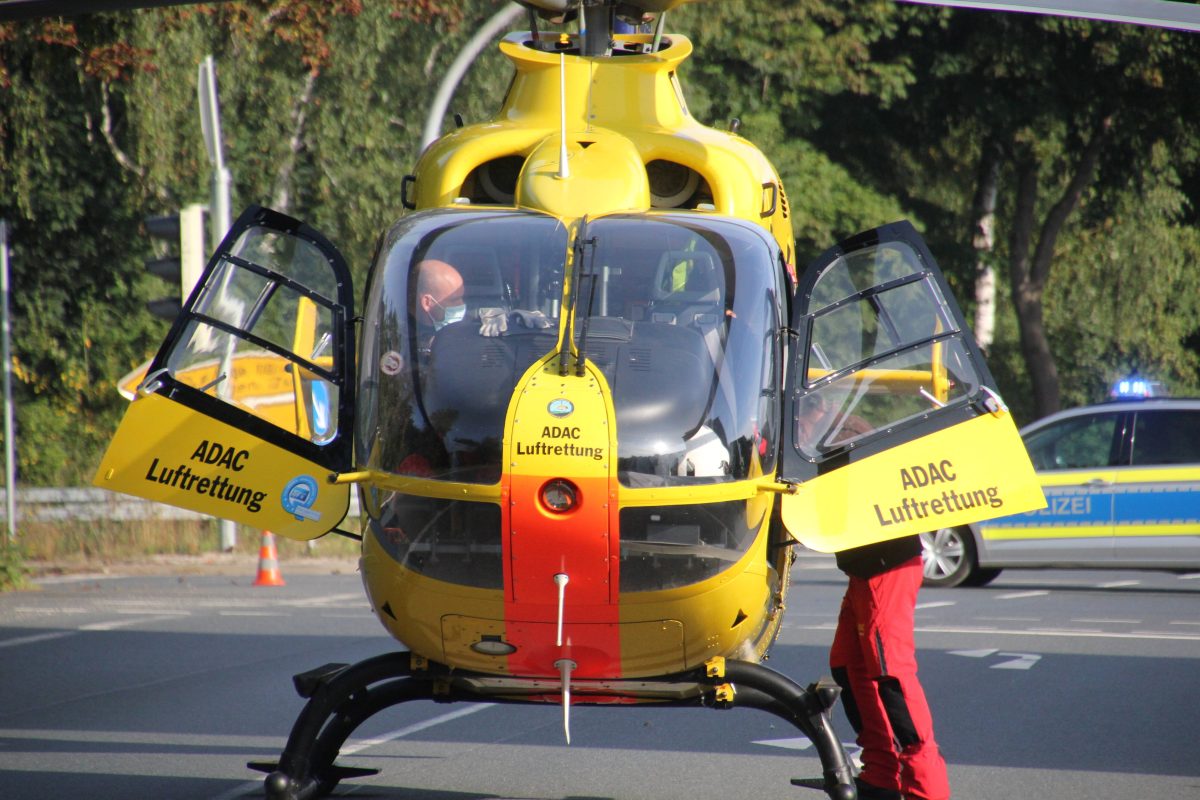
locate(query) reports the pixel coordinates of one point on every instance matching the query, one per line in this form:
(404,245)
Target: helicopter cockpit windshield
(680,314)
(683,323)
(460,305)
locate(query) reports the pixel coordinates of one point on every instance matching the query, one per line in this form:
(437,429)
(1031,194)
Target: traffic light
(185,234)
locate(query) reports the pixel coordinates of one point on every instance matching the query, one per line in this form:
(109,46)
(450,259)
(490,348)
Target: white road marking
(1118,584)
(50,611)
(984,653)
(75,735)
(37,637)
(325,600)
(124,623)
(1021,595)
(415,728)
(1079,633)
(254,788)
(130,603)
(1163,635)
(938,604)
(1103,621)
(1019,661)
(158,612)
(1015,660)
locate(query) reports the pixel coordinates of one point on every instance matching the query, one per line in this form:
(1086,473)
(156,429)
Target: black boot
(868,791)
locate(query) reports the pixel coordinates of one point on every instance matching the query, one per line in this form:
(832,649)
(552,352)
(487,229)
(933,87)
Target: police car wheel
(948,556)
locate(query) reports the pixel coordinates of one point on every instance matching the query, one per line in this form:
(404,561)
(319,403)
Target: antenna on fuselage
(658,32)
(564,171)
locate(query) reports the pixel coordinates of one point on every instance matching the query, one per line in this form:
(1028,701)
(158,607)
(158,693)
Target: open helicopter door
(248,406)
(893,423)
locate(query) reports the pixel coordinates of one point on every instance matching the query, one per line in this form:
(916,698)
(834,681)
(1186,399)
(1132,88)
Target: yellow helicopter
(589,407)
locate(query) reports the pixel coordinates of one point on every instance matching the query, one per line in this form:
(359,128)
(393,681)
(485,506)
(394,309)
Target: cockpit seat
(469,378)
(687,290)
(468,382)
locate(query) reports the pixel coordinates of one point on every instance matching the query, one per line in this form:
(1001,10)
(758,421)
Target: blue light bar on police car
(1135,386)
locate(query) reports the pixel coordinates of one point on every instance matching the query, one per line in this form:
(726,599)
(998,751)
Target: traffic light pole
(210,126)
(10,470)
(220,216)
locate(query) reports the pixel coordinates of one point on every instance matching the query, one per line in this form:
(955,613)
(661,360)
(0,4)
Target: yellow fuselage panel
(635,98)
(609,167)
(656,632)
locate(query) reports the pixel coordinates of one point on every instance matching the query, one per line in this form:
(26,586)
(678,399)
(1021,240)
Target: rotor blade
(1154,13)
(31,9)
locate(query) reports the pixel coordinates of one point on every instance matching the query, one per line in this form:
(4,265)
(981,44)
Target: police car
(1122,485)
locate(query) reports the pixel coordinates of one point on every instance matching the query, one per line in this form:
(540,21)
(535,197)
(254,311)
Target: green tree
(770,65)
(1062,118)
(1134,274)
(77,318)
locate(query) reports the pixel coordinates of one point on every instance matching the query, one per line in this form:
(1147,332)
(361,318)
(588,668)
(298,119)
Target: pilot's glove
(532,319)
(492,321)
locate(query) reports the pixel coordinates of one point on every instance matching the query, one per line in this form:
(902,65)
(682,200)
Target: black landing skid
(341,697)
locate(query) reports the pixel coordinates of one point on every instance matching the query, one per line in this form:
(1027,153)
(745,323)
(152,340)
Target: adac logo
(562,407)
(299,496)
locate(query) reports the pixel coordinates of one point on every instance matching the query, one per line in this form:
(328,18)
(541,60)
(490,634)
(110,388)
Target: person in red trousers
(873,658)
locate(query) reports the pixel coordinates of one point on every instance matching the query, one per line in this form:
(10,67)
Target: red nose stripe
(539,544)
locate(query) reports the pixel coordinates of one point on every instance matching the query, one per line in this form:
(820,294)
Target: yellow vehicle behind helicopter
(583,458)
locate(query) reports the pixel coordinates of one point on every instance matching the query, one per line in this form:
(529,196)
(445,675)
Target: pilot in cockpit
(441,293)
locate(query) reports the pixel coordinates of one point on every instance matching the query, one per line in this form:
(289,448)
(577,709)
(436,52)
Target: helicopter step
(341,697)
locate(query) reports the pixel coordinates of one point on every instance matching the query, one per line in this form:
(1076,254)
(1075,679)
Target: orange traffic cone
(268,563)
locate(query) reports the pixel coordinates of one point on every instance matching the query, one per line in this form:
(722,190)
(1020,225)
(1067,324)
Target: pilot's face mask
(450,314)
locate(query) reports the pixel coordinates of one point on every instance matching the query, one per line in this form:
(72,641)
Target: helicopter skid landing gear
(809,709)
(341,697)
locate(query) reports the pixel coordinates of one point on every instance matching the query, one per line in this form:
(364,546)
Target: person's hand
(532,319)
(492,321)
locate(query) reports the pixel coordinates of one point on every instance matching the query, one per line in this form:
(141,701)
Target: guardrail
(56,504)
(79,503)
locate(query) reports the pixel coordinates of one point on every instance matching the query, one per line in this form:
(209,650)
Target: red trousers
(874,660)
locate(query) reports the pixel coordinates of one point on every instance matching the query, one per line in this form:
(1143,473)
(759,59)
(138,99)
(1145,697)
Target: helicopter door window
(882,350)
(261,334)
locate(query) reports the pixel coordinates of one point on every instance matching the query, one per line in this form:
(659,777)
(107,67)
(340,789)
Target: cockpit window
(682,319)
(460,304)
(682,315)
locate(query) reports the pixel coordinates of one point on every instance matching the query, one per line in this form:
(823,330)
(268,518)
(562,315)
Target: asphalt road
(1064,685)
